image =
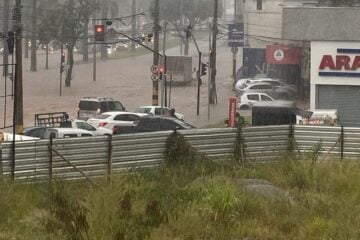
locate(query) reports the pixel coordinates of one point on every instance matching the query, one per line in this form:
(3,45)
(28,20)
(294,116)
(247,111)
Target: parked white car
(98,131)
(157,111)
(246,100)
(280,89)
(110,119)
(67,133)
(245,81)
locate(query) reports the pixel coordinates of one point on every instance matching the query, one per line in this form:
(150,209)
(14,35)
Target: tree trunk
(186,48)
(133,24)
(85,49)
(70,63)
(33,38)
(47,56)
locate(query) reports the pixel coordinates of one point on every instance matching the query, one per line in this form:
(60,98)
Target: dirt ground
(127,80)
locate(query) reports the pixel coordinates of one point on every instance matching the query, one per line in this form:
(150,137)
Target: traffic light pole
(198,74)
(198,87)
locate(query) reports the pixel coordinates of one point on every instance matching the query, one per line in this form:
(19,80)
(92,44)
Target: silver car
(277,92)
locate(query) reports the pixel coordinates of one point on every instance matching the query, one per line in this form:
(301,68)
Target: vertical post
(5,31)
(198,86)
(342,143)
(213,97)
(155,87)
(209,73)
(51,159)
(109,162)
(164,95)
(18,72)
(14,131)
(170,90)
(94,54)
(61,65)
(33,37)
(234,69)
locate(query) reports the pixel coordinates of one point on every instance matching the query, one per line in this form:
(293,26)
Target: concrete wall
(321,23)
(262,27)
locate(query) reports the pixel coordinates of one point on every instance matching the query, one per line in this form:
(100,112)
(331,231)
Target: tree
(68,19)
(192,11)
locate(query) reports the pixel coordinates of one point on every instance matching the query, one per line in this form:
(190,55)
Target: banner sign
(282,54)
(236,35)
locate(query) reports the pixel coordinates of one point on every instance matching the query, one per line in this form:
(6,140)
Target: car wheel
(244,107)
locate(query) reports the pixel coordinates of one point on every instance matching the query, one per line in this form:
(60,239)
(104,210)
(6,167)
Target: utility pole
(94,52)
(213,97)
(156,28)
(5,31)
(33,37)
(18,100)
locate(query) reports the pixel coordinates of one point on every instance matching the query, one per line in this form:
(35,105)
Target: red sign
(282,54)
(232,111)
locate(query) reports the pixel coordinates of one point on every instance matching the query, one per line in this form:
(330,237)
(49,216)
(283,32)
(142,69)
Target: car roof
(258,83)
(150,106)
(97,99)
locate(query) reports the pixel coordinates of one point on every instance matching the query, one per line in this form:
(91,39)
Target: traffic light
(100,32)
(10,42)
(203,69)
(161,72)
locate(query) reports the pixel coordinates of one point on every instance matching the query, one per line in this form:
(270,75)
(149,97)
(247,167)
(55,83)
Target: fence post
(109,162)
(291,139)
(51,158)
(342,143)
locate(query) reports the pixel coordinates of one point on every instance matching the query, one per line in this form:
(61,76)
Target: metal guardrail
(101,156)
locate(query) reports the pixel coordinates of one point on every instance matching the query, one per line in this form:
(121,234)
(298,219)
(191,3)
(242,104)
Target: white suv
(247,99)
(90,106)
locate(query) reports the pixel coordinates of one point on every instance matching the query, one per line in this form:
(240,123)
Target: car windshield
(142,110)
(88,105)
(101,116)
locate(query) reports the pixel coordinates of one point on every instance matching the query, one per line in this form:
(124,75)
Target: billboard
(282,54)
(236,35)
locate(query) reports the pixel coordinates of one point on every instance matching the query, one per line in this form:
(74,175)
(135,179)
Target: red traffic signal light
(100,32)
(161,69)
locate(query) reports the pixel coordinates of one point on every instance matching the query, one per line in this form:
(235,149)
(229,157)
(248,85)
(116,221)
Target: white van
(320,117)
(67,133)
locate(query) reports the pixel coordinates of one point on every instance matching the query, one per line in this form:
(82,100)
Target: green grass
(197,201)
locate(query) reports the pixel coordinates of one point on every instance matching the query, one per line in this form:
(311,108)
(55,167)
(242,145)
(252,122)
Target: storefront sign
(346,63)
(282,54)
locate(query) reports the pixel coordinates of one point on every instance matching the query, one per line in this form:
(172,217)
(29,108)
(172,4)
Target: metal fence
(100,156)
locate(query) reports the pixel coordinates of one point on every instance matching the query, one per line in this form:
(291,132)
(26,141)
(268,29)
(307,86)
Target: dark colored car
(38,132)
(153,123)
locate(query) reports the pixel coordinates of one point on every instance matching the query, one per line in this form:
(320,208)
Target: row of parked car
(105,116)
(251,90)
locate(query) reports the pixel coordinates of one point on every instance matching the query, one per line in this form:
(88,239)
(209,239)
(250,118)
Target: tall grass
(203,200)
